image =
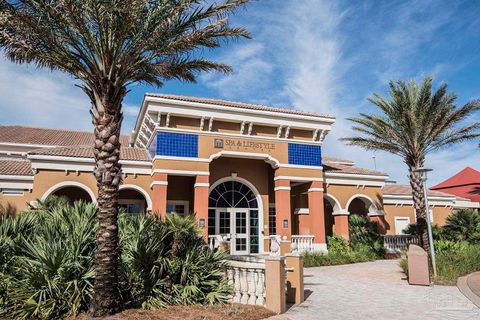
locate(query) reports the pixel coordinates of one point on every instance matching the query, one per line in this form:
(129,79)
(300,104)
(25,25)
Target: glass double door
(233,223)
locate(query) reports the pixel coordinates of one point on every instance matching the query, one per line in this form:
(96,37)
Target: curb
(462,285)
(279,317)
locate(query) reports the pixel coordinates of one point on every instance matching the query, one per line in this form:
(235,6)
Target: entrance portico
(245,164)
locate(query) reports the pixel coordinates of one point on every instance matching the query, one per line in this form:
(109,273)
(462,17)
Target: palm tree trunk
(107,119)
(416,182)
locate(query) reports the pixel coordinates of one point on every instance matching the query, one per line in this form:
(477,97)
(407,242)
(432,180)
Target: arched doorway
(73,194)
(330,205)
(72,190)
(361,205)
(133,199)
(233,211)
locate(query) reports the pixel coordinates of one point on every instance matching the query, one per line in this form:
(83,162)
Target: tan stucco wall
(18,202)
(264,131)
(299,172)
(278,150)
(45,179)
(226,127)
(343,193)
(180,165)
(440,214)
(297,134)
(184,123)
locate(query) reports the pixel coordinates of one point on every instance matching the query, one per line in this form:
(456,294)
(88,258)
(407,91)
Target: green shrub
(337,244)
(361,254)
(463,225)
(437,231)
(455,259)
(364,233)
(48,262)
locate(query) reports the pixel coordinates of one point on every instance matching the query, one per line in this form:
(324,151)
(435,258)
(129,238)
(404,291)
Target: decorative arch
(64,184)
(246,155)
(141,191)
(372,208)
(333,202)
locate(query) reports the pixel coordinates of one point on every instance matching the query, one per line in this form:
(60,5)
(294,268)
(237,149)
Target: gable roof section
(48,137)
(465,177)
(334,160)
(15,166)
(227,103)
(126,153)
(332,167)
(403,189)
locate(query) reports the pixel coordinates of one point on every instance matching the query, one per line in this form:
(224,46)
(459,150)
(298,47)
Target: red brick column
(159,194)
(200,203)
(382,223)
(341,224)
(283,207)
(317,215)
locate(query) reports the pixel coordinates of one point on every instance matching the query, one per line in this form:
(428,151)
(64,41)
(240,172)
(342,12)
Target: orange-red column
(382,224)
(317,215)
(200,203)
(341,225)
(283,208)
(159,194)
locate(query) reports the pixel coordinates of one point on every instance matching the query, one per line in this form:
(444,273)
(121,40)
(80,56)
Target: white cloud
(34,97)
(252,72)
(41,98)
(330,59)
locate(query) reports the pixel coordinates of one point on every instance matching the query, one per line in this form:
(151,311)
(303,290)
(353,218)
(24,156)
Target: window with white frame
(178,207)
(401,223)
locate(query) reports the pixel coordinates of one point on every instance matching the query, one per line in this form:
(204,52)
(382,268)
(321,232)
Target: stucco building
(246,171)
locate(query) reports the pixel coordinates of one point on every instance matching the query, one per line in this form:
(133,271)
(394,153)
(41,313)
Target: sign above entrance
(243,145)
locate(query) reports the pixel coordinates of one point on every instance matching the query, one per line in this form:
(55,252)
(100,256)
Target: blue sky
(323,56)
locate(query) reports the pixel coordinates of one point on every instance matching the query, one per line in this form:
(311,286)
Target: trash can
(418,271)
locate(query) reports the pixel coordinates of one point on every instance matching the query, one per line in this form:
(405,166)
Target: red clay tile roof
(340,168)
(403,189)
(226,103)
(15,166)
(464,177)
(327,159)
(126,153)
(48,137)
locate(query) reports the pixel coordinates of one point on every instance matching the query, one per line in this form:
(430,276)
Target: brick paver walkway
(376,290)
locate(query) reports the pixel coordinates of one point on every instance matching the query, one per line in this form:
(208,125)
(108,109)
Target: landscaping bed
(210,312)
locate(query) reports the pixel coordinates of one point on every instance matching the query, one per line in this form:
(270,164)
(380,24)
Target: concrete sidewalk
(377,290)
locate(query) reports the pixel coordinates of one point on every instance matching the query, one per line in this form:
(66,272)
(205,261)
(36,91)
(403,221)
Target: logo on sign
(218,143)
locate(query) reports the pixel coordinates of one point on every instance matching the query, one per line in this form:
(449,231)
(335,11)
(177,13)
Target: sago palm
(413,122)
(107,46)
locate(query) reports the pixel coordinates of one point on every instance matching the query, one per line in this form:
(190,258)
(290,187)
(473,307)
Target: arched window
(232,194)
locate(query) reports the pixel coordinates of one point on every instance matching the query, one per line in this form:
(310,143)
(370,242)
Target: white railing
(398,243)
(248,281)
(304,243)
(214,241)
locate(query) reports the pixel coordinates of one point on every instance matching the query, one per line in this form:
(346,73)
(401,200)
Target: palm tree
(108,45)
(413,123)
